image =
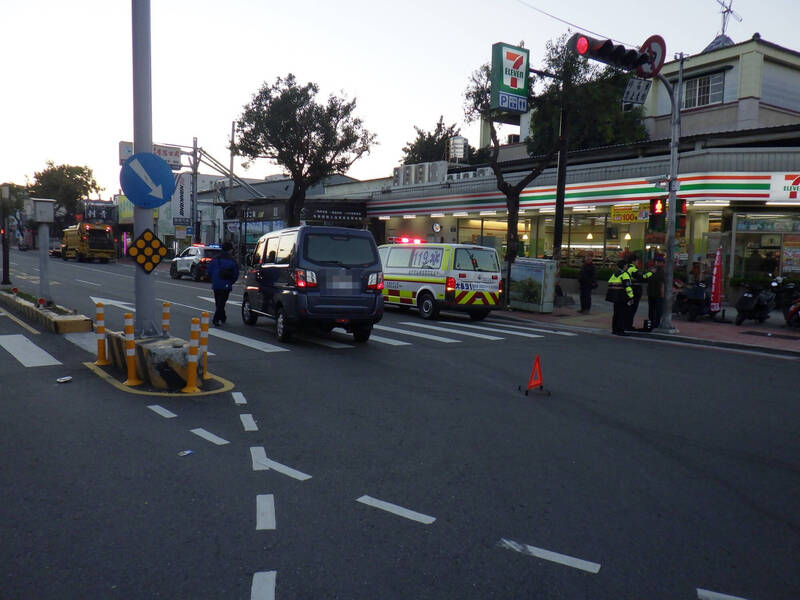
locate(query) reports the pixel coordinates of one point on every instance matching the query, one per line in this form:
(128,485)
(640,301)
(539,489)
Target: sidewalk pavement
(773,336)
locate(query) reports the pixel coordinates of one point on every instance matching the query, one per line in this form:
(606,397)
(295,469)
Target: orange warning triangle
(536,379)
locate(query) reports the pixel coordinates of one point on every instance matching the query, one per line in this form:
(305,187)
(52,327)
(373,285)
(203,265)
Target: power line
(547,14)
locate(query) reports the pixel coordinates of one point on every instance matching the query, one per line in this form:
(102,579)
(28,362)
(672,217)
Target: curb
(658,336)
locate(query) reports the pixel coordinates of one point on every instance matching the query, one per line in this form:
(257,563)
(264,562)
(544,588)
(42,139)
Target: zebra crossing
(400,334)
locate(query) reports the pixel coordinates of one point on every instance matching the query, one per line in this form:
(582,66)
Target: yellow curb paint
(227,386)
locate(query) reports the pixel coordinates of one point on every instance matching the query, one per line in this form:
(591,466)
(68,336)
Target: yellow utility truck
(88,241)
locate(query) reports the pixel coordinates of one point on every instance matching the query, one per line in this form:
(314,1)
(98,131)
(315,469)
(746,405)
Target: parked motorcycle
(785,292)
(792,312)
(755,303)
(694,301)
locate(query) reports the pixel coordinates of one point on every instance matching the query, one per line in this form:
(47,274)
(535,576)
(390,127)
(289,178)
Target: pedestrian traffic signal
(657,214)
(606,51)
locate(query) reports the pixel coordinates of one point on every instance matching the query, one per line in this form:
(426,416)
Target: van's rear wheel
(248,316)
(282,329)
(361,334)
(427,306)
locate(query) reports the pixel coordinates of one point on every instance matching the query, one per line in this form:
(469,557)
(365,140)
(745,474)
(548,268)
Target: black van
(322,276)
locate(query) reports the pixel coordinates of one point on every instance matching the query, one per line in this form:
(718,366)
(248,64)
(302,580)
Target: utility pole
(195,222)
(672,186)
(4,196)
(144,285)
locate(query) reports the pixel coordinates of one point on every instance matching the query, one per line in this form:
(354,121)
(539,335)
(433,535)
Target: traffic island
(53,318)
(161,363)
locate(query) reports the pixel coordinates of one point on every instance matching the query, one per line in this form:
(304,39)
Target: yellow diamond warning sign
(147,251)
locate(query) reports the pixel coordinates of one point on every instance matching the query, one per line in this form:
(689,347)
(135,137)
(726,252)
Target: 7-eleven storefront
(750,215)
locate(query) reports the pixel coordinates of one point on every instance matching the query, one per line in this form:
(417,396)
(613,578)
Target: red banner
(716,282)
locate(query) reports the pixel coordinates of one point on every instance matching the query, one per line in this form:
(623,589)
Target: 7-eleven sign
(509,78)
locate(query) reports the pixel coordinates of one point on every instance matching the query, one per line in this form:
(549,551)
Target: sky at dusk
(67,66)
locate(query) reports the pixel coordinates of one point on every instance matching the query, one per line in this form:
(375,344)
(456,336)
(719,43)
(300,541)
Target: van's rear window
(476,259)
(340,249)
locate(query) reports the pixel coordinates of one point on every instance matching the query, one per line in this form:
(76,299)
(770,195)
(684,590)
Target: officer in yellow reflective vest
(637,276)
(620,292)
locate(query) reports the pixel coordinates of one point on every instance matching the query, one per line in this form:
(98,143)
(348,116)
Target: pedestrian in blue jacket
(224,272)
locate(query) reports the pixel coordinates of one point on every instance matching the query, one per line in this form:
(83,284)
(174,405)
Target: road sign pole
(145,325)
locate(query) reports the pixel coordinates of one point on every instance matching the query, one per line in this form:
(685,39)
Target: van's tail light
(304,278)
(500,286)
(450,284)
(375,281)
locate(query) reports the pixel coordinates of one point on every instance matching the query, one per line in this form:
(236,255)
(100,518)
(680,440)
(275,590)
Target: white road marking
(207,435)
(26,352)
(248,423)
(396,510)
(238,398)
(245,341)
(493,330)
(390,341)
(445,330)
(179,304)
(126,306)
(435,338)
(562,559)
(88,282)
(524,328)
(324,342)
(262,463)
(160,410)
(265,511)
(86,341)
(708,595)
(263,587)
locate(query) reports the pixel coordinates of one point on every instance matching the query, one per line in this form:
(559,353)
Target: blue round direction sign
(147,180)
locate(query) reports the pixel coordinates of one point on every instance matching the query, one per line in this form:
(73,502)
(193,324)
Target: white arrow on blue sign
(147,180)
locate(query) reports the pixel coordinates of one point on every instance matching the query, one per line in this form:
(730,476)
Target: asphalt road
(408,467)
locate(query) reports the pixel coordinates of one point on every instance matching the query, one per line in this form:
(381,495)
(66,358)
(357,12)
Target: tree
(429,146)
(477,106)
(593,100)
(66,184)
(310,140)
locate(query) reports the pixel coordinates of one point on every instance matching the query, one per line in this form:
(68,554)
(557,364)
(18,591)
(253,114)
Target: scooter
(792,312)
(694,301)
(755,303)
(785,292)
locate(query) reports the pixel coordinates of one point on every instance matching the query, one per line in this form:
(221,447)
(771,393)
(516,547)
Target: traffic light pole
(4,196)
(672,183)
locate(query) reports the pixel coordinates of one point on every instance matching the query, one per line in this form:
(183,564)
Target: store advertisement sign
(791,254)
(182,200)
(635,213)
(171,154)
(509,78)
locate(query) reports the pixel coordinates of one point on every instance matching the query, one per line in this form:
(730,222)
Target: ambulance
(433,276)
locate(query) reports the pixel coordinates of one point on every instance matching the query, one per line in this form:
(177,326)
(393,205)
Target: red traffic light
(606,51)
(658,206)
(582,45)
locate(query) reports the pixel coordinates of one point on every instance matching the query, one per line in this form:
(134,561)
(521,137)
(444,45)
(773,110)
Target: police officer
(620,292)
(637,277)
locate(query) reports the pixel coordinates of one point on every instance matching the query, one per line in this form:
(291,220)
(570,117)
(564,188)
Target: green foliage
(311,140)
(429,146)
(526,290)
(66,184)
(593,99)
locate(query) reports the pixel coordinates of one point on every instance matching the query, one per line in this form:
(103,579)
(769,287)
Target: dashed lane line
(160,410)
(238,398)
(263,587)
(207,435)
(265,512)
(389,341)
(262,463)
(562,559)
(526,328)
(396,510)
(248,422)
(245,341)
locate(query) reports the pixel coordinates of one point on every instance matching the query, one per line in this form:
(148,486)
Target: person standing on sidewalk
(587,280)
(224,272)
(620,293)
(655,294)
(637,277)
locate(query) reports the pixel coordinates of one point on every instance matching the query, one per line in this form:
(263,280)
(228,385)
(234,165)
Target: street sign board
(636,91)
(147,180)
(509,78)
(147,251)
(656,48)
(182,201)
(171,154)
